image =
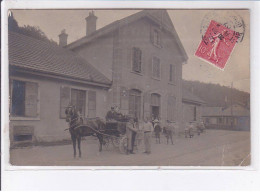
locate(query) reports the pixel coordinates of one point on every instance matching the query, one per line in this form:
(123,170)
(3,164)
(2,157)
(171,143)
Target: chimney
(91,23)
(63,38)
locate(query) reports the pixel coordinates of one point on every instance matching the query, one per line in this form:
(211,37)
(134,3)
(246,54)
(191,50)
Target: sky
(188,24)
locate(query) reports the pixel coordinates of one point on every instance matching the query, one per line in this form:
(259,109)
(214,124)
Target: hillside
(217,95)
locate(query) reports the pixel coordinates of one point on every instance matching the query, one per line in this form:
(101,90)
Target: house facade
(235,117)
(143,57)
(44,79)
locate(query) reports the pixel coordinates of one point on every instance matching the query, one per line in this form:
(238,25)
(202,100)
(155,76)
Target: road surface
(212,148)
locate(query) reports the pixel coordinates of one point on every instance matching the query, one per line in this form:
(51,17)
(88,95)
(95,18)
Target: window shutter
(137,59)
(147,104)
(124,100)
(152,34)
(64,100)
(174,74)
(31,99)
(170,79)
(171,108)
(91,104)
(156,67)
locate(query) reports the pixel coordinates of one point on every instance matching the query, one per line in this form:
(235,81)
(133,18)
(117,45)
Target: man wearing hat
(131,130)
(111,115)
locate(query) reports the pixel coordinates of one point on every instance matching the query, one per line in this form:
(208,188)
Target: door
(155,105)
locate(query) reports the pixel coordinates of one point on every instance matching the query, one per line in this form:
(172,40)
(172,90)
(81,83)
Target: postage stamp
(217,44)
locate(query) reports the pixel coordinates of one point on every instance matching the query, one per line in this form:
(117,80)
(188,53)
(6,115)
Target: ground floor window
(24,98)
(135,103)
(78,99)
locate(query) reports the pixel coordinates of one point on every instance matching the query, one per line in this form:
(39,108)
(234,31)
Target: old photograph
(129,87)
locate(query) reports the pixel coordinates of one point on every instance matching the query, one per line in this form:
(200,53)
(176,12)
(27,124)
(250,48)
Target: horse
(77,130)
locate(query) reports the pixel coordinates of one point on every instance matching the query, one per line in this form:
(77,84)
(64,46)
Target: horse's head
(70,113)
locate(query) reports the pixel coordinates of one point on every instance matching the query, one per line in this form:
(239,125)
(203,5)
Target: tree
(32,31)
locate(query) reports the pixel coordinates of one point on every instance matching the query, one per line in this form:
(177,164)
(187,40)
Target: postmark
(217,44)
(228,18)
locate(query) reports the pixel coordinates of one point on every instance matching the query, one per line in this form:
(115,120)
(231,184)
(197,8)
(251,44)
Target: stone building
(235,117)
(44,79)
(143,56)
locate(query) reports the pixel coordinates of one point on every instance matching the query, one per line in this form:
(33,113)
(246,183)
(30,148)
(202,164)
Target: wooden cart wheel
(116,142)
(123,145)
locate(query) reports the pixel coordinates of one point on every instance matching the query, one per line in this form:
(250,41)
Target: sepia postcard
(129,87)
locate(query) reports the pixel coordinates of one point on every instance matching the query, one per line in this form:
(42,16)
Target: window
(72,96)
(135,103)
(172,77)
(91,104)
(156,68)
(24,99)
(156,37)
(137,60)
(171,106)
(78,99)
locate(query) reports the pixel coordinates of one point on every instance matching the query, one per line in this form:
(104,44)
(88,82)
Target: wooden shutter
(171,107)
(124,94)
(31,99)
(152,34)
(156,67)
(137,59)
(92,104)
(174,74)
(147,105)
(64,100)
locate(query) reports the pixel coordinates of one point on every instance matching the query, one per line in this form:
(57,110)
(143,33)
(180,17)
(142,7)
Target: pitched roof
(36,55)
(189,97)
(161,17)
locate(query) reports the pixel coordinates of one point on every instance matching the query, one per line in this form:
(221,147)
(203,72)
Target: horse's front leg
(74,145)
(79,142)
(100,138)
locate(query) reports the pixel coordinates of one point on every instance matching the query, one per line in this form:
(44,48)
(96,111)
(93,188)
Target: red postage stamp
(217,44)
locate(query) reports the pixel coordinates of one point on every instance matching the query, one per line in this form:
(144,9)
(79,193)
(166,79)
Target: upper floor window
(172,72)
(136,60)
(24,98)
(156,67)
(156,37)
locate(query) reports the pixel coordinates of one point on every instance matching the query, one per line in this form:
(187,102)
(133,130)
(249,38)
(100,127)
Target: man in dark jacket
(111,115)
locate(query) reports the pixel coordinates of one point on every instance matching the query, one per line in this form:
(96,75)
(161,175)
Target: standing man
(147,127)
(131,130)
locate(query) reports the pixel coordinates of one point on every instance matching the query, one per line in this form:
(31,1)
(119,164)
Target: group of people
(132,128)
